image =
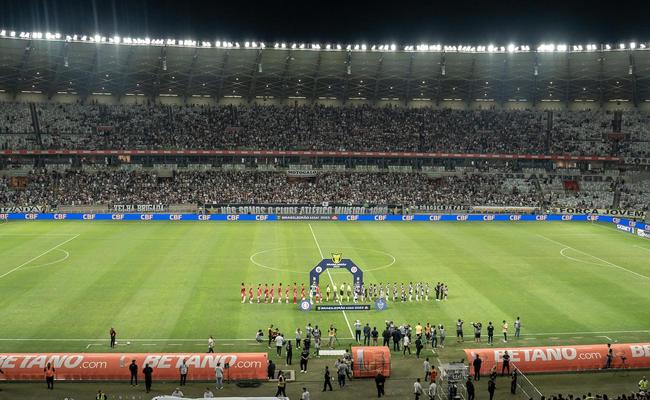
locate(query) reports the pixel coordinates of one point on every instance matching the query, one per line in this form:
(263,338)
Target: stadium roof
(51,64)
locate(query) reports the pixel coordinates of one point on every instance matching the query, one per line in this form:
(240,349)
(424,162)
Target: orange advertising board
(563,358)
(367,361)
(102,366)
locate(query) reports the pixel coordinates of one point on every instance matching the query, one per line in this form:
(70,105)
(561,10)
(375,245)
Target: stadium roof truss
(83,68)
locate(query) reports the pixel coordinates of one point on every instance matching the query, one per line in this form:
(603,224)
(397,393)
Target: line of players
(419,292)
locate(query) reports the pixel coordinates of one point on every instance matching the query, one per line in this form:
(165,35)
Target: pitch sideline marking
(252,340)
(330,275)
(642,247)
(611,264)
(38,256)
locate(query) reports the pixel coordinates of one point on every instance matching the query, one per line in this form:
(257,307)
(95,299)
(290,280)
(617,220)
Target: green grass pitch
(168,286)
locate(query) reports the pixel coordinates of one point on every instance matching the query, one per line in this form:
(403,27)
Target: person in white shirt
(432,391)
(279,342)
(305,394)
(208,394)
(177,393)
(218,374)
(417,389)
(210,345)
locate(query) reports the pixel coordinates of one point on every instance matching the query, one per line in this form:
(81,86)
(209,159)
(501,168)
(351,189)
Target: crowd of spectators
(148,126)
(246,187)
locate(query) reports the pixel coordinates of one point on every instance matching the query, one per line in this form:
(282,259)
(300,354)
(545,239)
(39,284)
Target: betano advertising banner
(101,366)
(563,358)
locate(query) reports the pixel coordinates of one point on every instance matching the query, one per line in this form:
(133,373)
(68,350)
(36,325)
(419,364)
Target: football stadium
(187,218)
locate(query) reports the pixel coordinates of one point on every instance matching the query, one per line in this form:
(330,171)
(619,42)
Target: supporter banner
(106,366)
(298,209)
(301,173)
(422,209)
(564,358)
(280,153)
(643,233)
(368,361)
(637,160)
(139,207)
(598,211)
(22,209)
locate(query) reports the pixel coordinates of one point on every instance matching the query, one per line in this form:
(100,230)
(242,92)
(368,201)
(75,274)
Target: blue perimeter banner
(339,217)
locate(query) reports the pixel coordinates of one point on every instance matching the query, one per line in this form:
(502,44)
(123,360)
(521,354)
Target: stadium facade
(38,67)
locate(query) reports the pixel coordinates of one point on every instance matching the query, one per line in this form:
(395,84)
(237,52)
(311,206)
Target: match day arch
(336,262)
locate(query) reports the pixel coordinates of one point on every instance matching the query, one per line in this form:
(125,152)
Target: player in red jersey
(279,293)
(272,292)
(250,294)
(243,293)
(266,293)
(319,297)
(302,292)
(295,293)
(286,295)
(259,292)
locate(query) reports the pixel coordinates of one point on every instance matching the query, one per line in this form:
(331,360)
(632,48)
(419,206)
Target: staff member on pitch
(506,363)
(477,367)
(113,335)
(148,372)
(183,370)
(133,368)
(49,375)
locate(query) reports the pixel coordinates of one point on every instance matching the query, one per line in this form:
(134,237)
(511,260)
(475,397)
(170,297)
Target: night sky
(402,22)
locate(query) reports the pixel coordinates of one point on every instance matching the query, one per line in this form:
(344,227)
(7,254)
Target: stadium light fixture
(328,46)
(12,34)
(562,48)
(621,46)
(608,47)
(632,45)
(3,32)
(393,47)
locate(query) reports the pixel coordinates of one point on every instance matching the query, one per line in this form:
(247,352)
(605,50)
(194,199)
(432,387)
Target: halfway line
(331,280)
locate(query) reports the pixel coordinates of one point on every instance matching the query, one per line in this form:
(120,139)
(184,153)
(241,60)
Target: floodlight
(3,33)
(632,45)
(621,46)
(393,47)
(363,47)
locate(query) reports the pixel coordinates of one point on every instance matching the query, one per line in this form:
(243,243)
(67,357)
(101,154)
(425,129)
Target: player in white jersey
(426,292)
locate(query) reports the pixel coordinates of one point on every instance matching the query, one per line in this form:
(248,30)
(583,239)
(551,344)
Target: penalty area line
(611,264)
(347,321)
